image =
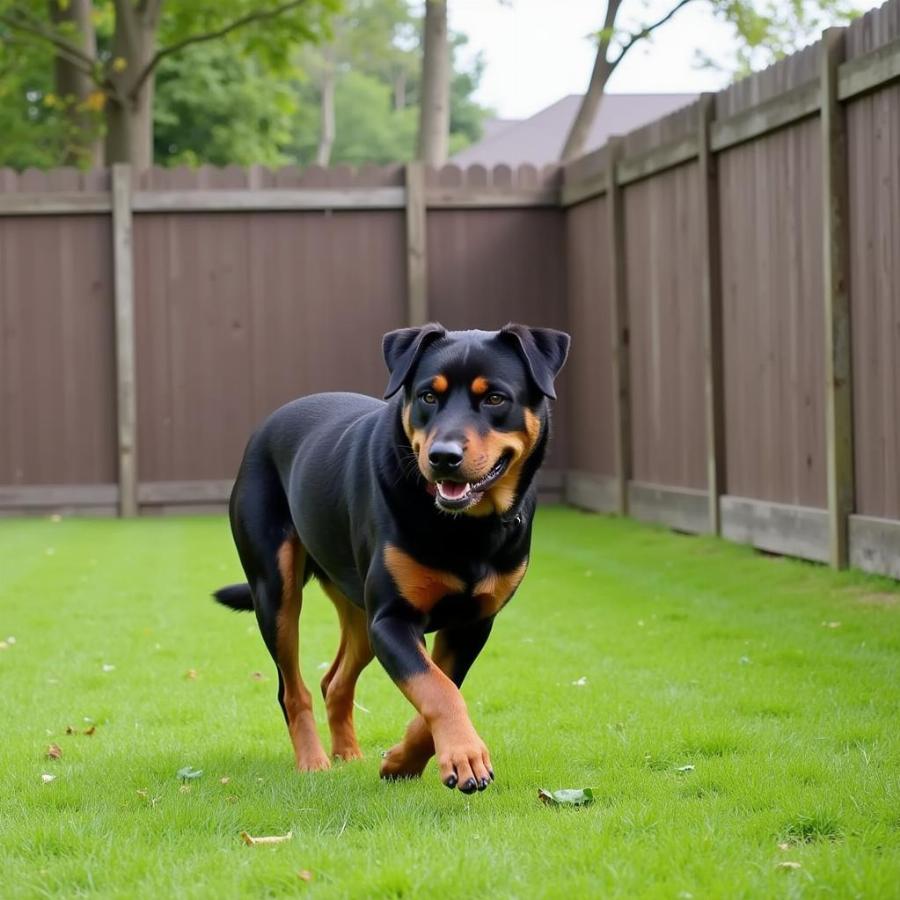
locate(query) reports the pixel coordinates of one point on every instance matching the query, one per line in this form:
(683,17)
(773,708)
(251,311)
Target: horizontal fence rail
(726,272)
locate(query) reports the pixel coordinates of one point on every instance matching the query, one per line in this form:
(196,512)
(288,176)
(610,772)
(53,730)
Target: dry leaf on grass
(224,779)
(788,864)
(191,674)
(70,729)
(258,676)
(184,789)
(251,841)
(54,751)
(784,845)
(90,730)
(4,645)
(305,875)
(47,778)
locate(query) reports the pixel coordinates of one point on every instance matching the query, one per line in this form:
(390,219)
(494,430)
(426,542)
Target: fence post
(835,255)
(123,281)
(619,327)
(711,279)
(416,250)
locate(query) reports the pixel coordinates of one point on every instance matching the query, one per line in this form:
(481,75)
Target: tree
(124,75)
(779,29)
(434,111)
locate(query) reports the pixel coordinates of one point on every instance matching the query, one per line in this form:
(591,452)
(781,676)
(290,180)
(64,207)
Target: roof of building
(539,139)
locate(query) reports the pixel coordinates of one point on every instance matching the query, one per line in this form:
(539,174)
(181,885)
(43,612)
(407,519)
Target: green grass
(693,653)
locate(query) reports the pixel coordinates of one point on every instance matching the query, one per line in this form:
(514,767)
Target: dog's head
(474,407)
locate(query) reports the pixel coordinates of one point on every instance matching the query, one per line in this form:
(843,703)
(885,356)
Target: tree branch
(19,20)
(646,31)
(259,16)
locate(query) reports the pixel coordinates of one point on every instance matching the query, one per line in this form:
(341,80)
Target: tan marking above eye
(421,586)
(439,384)
(479,385)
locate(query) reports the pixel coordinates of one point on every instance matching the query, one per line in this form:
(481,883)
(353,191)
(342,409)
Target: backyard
(735,715)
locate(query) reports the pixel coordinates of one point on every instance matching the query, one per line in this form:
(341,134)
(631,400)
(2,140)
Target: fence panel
(57,375)
(238,313)
(662,219)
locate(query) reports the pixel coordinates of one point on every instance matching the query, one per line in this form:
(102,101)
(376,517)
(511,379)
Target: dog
(415,516)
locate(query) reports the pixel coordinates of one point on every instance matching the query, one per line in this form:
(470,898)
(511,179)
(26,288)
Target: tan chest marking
(419,585)
(494,591)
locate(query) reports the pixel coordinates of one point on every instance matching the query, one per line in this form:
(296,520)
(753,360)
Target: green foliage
(217,105)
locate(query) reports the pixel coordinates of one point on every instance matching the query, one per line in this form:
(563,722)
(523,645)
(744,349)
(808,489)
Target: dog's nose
(445,455)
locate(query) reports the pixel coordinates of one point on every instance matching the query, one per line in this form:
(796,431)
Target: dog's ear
(402,349)
(544,351)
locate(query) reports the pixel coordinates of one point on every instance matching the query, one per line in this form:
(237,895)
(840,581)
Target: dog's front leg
(454,651)
(398,641)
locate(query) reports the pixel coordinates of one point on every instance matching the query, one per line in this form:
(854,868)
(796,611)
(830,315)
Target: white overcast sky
(538,50)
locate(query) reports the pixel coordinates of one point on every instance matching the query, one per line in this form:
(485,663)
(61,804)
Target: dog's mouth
(456,496)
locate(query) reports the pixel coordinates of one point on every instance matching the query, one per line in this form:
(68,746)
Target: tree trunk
(73,86)
(434,115)
(326,108)
(576,140)
(400,90)
(129,113)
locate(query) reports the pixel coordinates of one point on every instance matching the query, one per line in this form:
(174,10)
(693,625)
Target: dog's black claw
(491,773)
(469,786)
(451,782)
(483,783)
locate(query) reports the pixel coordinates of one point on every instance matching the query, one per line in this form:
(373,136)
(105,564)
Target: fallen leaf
(305,875)
(567,797)
(250,841)
(784,845)
(581,682)
(787,864)
(191,674)
(184,789)
(189,772)
(70,729)
(258,676)
(687,768)
(4,645)
(224,779)
(54,751)
(90,730)
(143,793)
(47,778)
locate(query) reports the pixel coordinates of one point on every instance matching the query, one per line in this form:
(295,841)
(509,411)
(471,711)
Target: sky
(538,50)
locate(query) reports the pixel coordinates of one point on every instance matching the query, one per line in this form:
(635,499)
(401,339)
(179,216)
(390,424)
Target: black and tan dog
(415,515)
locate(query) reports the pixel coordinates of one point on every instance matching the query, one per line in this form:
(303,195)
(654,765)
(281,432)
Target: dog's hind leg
(274,561)
(339,683)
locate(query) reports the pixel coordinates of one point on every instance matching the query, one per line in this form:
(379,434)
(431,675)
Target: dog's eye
(428,397)
(494,399)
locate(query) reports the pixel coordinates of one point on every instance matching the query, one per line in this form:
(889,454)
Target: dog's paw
(466,766)
(315,761)
(402,762)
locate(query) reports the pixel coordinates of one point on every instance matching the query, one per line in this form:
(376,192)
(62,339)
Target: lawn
(736,715)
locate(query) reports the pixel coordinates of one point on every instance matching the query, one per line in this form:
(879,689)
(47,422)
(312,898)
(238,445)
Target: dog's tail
(235,596)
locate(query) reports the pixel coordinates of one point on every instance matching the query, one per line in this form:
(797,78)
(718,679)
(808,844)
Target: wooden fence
(731,275)
(740,261)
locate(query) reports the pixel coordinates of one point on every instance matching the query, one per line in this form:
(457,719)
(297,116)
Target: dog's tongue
(451,490)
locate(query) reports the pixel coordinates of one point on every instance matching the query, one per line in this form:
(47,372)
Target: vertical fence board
(619,329)
(711,293)
(838,375)
(126,381)
(416,245)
